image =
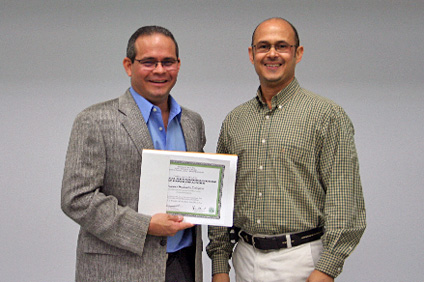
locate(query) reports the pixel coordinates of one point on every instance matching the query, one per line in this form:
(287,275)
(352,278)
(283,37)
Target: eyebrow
(280,41)
(155,59)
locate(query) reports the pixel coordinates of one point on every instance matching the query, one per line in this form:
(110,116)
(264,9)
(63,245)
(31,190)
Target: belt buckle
(295,240)
(261,247)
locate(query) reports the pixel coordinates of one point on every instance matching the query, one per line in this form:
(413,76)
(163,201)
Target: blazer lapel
(132,119)
(189,128)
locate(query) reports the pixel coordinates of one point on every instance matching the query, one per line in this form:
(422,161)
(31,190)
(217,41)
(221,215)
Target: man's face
(153,84)
(275,70)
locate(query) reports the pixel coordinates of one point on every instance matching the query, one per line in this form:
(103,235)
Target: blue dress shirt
(170,139)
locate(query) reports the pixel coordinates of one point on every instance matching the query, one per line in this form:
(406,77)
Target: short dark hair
(147,30)
(296,35)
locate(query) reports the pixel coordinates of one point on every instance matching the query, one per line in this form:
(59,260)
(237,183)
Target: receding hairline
(142,36)
(296,35)
(148,31)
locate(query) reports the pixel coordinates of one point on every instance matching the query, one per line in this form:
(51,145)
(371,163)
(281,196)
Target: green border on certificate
(195,188)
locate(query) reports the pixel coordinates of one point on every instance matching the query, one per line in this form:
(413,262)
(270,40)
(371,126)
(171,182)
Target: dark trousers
(180,265)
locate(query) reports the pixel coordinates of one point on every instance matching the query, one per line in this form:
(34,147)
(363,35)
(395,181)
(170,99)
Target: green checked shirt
(297,170)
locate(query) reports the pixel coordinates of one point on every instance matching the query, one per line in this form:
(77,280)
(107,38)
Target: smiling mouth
(158,81)
(274,65)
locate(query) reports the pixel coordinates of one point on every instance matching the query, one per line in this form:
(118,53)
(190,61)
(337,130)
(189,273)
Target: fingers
(179,219)
(185,225)
(178,222)
(167,225)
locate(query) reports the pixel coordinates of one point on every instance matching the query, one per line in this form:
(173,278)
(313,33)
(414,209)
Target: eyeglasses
(281,47)
(168,64)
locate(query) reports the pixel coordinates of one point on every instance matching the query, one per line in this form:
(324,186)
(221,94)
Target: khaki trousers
(284,265)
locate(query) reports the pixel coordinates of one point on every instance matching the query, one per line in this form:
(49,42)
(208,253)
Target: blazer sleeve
(82,198)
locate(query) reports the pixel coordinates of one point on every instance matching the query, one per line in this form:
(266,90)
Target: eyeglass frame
(155,63)
(273,45)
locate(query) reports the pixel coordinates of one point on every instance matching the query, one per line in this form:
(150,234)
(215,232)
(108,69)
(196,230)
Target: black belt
(279,242)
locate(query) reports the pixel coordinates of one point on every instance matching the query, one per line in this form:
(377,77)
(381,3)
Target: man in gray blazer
(100,189)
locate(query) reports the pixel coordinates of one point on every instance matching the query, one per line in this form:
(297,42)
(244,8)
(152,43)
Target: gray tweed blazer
(100,192)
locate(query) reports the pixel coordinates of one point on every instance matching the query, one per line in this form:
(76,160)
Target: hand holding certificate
(198,186)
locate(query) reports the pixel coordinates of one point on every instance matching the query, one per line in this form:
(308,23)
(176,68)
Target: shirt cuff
(220,265)
(330,264)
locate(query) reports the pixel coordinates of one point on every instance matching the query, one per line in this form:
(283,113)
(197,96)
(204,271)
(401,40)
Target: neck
(164,108)
(269,91)
(163,105)
(268,94)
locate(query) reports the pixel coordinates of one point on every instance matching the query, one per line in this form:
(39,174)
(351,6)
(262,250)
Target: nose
(272,52)
(159,68)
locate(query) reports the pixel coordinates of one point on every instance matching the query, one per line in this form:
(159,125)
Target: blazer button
(163,242)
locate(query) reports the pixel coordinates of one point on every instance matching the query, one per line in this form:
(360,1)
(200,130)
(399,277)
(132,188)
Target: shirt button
(263,141)
(260,194)
(160,128)
(154,109)
(267,117)
(258,221)
(261,167)
(280,107)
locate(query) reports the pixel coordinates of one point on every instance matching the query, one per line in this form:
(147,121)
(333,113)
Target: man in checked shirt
(299,207)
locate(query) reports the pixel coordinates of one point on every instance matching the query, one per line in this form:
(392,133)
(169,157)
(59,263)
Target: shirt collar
(282,97)
(146,107)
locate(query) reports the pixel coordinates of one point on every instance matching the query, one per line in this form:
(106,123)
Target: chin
(273,79)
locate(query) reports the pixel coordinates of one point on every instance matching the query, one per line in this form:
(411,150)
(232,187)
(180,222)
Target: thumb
(177,218)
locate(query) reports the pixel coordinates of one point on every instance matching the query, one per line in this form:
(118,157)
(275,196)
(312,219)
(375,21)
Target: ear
(251,55)
(179,64)
(299,54)
(127,66)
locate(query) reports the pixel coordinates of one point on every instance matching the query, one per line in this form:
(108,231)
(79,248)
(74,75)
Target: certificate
(198,186)
(195,189)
